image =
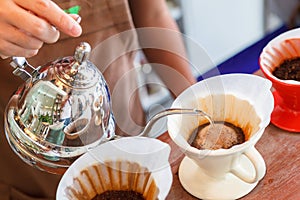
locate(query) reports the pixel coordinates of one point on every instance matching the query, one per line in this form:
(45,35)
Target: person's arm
(26,24)
(162,44)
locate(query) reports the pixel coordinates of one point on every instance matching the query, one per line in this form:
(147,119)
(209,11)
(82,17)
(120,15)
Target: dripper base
(284,117)
(202,186)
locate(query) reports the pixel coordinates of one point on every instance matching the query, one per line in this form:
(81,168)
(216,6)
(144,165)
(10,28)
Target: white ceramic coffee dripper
(242,99)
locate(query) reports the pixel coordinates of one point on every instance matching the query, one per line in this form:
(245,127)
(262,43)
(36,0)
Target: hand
(25,25)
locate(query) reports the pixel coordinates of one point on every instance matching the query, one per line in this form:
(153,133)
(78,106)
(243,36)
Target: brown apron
(112,53)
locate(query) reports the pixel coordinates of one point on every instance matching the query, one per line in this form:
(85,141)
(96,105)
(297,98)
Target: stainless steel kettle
(62,110)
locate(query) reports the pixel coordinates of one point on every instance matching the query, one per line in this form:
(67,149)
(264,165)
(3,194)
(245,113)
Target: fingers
(19,37)
(50,12)
(3,57)
(76,17)
(35,26)
(26,24)
(7,48)
(14,42)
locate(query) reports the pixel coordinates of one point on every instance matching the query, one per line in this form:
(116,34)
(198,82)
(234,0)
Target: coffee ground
(119,195)
(288,70)
(221,135)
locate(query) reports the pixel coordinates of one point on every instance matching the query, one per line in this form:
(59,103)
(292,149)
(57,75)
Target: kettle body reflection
(62,110)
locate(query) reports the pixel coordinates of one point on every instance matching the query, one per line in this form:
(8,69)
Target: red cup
(286,113)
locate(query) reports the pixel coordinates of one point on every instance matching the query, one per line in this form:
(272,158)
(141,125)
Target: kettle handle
(23,69)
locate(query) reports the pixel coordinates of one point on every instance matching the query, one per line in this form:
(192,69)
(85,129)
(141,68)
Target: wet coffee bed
(221,135)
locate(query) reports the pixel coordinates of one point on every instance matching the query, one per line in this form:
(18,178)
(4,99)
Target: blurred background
(224,28)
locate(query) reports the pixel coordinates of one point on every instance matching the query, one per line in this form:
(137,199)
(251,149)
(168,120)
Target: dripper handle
(258,163)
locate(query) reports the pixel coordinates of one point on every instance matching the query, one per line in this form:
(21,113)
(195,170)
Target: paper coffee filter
(112,175)
(285,46)
(136,163)
(235,98)
(148,152)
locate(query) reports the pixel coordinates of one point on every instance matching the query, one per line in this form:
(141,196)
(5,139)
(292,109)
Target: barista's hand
(25,25)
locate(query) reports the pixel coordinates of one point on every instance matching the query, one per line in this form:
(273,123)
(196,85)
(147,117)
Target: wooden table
(281,152)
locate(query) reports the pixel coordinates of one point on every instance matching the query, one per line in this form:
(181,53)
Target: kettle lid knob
(82,52)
